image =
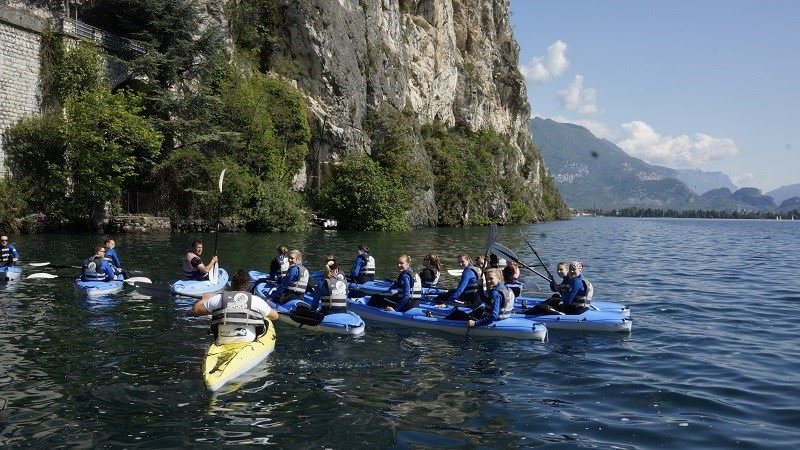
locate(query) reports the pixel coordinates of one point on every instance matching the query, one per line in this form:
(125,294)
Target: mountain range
(592,172)
(785,192)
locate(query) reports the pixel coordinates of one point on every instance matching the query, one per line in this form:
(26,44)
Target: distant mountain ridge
(591,172)
(785,192)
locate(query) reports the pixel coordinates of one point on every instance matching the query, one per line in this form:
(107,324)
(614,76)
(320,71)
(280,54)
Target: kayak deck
(223,363)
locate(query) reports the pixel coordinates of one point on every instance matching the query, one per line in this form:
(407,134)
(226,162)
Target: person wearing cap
(8,253)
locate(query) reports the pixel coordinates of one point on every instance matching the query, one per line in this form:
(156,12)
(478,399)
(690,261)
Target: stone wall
(20,93)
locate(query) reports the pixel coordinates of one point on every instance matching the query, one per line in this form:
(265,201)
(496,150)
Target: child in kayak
(409,288)
(363,266)
(96,268)
(331,292)
(431,268)
(294,284)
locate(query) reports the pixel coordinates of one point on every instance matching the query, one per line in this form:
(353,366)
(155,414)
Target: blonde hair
(296,255)
(497,274)
(330,269)
(405,258)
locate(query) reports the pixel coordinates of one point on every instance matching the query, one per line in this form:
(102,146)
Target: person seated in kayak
(579,296)
(279,264)
(550,305)
(331,293)
(511,275)
(8,253)
(293,286)
(363,266)
(467,289)
(111,255)
(236,315)
(193,267)
(431,268)
(96,268)
(500,301)
(409,289)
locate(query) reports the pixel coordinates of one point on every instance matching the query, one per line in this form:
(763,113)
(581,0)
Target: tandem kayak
(225,362)
(99,288)
(385,287)
(590,320)
(346,322)
(514,327)
(193,288)
(10,273)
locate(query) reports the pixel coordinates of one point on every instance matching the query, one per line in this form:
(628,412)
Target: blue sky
(703,84)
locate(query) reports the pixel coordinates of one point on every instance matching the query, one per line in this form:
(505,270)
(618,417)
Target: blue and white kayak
(339,323)
(590,320)
(99,288)
(596,305)
(514,327)
(193,288)
(385,287)
(10,273)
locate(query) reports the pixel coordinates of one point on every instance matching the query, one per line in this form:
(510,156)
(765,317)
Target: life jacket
(585,298)
(472,287)
(6,257)
(189,271)
(507,308)
(366,272)
(336,297)
(431,276)
(92,269)
(298,287)
(283,262)
(236,309)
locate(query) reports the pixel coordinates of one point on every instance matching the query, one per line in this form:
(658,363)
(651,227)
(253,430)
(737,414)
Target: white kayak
(194,288)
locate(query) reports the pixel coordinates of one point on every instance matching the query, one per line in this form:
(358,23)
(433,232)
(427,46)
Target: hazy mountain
(784,192)
(592,172)
(790,204)
(701,181)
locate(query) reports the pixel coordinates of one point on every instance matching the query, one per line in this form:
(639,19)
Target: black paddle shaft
(552,278)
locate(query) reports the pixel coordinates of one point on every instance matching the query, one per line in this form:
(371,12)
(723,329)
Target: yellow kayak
(227,361)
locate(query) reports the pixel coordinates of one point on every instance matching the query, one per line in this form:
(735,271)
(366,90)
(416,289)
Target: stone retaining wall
(151,224)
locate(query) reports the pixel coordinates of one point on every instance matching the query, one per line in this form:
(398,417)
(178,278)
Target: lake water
(712,362)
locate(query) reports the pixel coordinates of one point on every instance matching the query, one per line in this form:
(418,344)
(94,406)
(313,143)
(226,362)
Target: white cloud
(578,98)
(543,68)
(641,140)
(745,179)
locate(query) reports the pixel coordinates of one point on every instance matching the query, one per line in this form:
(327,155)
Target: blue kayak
(10,273)
(339,323)
(194,288)
(385,287)
(99,288)
(514,327)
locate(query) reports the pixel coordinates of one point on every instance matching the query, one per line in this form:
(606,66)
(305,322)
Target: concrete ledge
(23,20)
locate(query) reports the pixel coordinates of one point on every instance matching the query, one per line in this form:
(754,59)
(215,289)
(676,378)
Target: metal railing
(109,41)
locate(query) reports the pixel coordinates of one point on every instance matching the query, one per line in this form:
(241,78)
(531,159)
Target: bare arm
(199,308)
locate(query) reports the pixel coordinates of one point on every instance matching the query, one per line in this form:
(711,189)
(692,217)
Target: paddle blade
(133,280)
(41,275)
(39,264)
(221,177)
(152,289)
(501,250)
(213,274)
(455,272)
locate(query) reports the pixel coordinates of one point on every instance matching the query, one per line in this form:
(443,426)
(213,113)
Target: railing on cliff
(109,41)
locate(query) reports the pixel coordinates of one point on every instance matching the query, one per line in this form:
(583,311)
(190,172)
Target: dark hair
(105,241)
(281,249)
(433,261)
(97,248)
(195,242)
(363,248)
(240,281)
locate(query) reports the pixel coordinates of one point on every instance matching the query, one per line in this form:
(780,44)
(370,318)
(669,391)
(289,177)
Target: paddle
(41,275)
(552,278)
(157,290)
(303,315)
(501,249)
(213,272)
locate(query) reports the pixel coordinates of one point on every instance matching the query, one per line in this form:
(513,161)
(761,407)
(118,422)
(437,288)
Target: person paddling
(409,288)
(112,257)
(467,289)
(96,268)
(331,293)
(193,267)
(236,315)
(8,253)
(363,266)
(293,286)
(550,305)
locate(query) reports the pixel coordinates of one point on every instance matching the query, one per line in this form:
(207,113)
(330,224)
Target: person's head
(197,247)
(562,269)
(331,270)
(240,281)
(4,240)
(403,262)
(109,243)
(294,257)
(431,260)
(99,250)
(330,259)
(281,249)
(479,261)
(493,260)
(463,259)
(362,249)
(575,268)
(494,277)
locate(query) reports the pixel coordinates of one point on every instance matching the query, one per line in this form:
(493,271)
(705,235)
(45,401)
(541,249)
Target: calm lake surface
(712,362)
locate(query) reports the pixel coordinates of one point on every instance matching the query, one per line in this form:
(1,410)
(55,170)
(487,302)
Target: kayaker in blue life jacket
(431,269)
(579,296)
(550,305)
(279,264)
(331,292)
(237,315)
(193,267)
(8,253)
(293,286)
(467,289)
(363,266)
(111,255)
(96,268)
(409,289)
(500,300)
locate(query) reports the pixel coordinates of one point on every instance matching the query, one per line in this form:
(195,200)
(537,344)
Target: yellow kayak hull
(225,362)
